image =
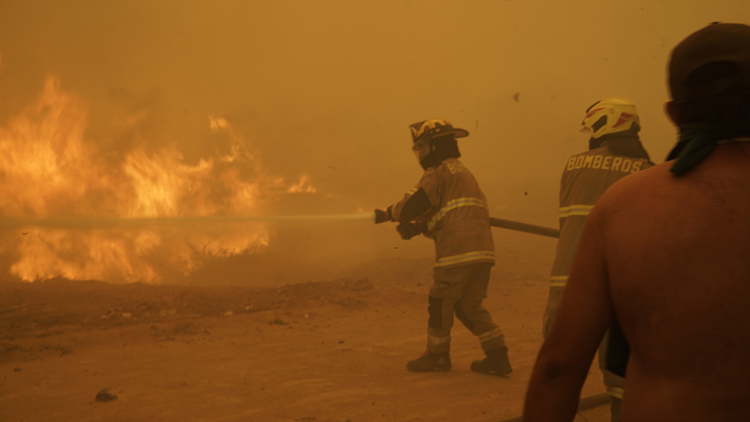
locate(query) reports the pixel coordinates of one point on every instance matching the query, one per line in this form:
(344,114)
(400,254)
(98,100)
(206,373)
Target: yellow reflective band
(466,257)
(575,210)
(460,202)
(558,280)
(412,191)
(435,341)
(615,392)
(489,335)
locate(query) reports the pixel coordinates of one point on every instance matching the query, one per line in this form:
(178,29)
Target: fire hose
(411,229)
(523,227)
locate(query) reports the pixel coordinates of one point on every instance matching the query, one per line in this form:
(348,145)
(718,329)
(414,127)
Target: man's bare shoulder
(639,186)
(725,172)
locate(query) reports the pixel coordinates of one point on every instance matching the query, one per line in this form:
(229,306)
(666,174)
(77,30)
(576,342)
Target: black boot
(496,363)
(429,362)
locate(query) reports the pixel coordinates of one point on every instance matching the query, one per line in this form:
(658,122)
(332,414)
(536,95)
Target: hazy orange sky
(328,88)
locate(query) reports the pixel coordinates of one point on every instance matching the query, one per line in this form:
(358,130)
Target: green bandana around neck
(697,140)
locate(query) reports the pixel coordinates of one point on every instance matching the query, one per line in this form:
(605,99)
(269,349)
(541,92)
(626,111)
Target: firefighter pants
(612,381)
(460,291)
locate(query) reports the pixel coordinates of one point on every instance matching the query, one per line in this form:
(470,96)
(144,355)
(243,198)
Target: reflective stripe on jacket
(459,220)
(584,180)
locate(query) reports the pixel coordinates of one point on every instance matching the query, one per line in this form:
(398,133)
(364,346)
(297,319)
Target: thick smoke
(322,94)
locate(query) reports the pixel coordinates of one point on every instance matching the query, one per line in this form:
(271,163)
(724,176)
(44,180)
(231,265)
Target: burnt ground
(319,351)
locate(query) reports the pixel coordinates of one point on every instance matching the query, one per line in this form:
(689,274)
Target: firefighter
(448,206)
(615,150)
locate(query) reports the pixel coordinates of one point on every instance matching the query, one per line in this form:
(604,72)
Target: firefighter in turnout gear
(448,206)
(615,151)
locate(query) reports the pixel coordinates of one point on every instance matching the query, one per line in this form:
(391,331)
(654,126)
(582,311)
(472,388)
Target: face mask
(421,149)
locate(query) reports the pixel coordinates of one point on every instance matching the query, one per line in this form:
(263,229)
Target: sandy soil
(323,351)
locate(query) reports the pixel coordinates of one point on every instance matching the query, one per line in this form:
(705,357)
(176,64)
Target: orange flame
(44,163)
(303,186)
(48,170)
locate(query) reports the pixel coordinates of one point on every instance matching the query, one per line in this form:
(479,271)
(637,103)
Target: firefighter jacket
(584,180)
(458,218)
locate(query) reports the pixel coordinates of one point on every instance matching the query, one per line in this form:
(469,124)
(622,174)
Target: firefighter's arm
(420,200)
(413,207)
(411,215)
(410,229)
(408,209)
(411,210)
(584,315)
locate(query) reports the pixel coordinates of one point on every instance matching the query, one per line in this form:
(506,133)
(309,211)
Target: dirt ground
(319,351)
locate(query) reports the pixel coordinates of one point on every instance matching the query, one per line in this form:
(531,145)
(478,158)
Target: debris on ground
(104,396)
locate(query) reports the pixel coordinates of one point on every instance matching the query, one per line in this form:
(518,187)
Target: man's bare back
(669,257)
(666,251)
(680,287)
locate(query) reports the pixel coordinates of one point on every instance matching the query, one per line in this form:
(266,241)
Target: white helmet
(610,116)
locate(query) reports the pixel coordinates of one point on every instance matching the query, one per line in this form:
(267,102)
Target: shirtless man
(678,277)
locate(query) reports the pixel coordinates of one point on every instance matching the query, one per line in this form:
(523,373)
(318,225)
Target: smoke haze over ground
(306,105)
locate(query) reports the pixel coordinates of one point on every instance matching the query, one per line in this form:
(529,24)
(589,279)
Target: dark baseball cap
(724,46)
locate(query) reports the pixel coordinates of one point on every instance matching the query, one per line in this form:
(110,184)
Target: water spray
(114,222)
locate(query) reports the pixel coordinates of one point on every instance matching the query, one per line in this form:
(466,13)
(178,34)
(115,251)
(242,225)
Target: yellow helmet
(610,116)
(433,128)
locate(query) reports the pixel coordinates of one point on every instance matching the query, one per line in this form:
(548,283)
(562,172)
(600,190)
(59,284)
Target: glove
(381,216)
(409,230)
